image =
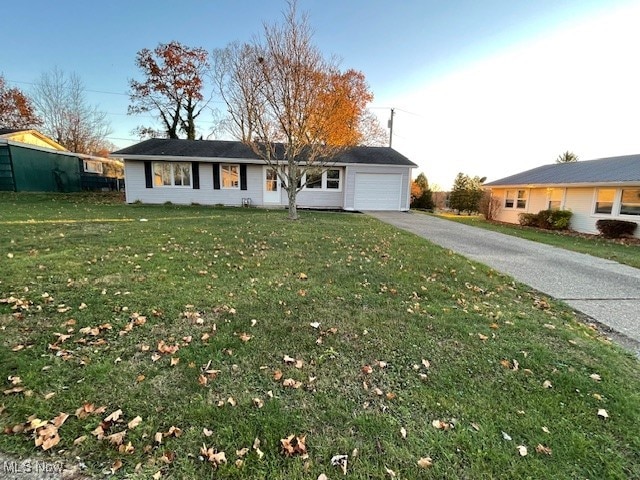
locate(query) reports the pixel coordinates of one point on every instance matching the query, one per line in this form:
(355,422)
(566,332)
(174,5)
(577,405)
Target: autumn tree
(466,193)
(16,109)
(172,88)
(421,195)
(66,116)
(567,157)
(295,109)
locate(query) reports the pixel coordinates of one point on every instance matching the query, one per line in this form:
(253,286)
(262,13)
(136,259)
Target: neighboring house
(31,161)
(591,190)
(211,172)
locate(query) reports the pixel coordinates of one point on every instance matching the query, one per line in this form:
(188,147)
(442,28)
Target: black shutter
(216,176)
(195,169)
(148,175)
(243,176)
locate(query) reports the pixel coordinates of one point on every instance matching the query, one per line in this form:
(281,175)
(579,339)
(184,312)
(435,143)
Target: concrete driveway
(604,290)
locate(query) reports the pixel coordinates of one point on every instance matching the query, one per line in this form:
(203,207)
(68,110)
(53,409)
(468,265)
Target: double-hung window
(515,199)
(630,201)
(328,180)
(172,174)
(604,200)
(230,176)
(555,199)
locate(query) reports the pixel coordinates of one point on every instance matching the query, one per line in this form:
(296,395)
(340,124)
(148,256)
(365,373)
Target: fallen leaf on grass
(114,416)
(595,377)
(340,461)
(288,359)
(117,438)
(390,472)
(79,440)
(522,450)
(277,375)
(293,445)
(207,432)
(542,449)
(215,458)
(245,337)
(134,423)
(603,413)
(403,432)
(425,462)
(547,384)
(367,369)
(291,383)
(258,402)
(117,465)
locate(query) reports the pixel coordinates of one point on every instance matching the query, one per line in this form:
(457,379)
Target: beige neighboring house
(30,137)
(591,190)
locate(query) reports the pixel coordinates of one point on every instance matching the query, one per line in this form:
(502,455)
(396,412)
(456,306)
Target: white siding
(205,195)
(580,202)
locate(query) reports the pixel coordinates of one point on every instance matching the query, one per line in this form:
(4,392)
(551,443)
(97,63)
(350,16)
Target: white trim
(173,185)
(222,186)
(249,161)
(323,181)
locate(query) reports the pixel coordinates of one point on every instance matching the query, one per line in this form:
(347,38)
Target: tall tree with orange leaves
(16,109)
(294,108)
(172,88)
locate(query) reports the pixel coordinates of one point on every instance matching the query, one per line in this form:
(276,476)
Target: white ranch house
(212,172)
(591,190)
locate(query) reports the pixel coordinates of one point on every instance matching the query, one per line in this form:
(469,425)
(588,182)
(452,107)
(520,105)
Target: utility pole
(390,127)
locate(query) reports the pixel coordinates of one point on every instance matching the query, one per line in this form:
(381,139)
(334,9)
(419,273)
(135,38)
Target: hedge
(615,228)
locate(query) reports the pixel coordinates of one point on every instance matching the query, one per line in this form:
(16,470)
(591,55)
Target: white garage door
(378,191)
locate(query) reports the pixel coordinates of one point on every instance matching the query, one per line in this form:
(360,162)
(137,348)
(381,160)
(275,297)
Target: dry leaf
(245,337)
(340,461)
(258,402)
(542,449)
(367,369)
(117,438)
(547,384)
(595,377)
(293,445)
(391,473)
(117,465)
(288,359)
(174,361)
(426,363)
(603,413)
(134,423)
(403,432)
(277,375)
(425,462)
(522,450)
(79,440)
(114,416)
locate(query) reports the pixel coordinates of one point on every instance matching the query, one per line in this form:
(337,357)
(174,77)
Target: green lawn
(236,328)
(628,254)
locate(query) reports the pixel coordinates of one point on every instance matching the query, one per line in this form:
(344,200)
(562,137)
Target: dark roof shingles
(233,149)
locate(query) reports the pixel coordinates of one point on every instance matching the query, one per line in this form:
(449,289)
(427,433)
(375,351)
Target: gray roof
(164,147)
(604,170)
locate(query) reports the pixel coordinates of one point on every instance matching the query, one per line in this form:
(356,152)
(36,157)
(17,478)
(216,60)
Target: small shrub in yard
(615,228)
(528,219)
(547,219)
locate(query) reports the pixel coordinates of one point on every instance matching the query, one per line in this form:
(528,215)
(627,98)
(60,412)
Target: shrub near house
(547,219)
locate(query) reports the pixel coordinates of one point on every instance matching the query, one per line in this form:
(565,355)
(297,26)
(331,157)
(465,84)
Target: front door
(271,186)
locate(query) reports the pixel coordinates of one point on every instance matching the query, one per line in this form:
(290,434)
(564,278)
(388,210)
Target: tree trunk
(293,211)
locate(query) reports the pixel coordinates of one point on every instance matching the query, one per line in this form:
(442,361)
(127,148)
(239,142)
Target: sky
(487,88)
